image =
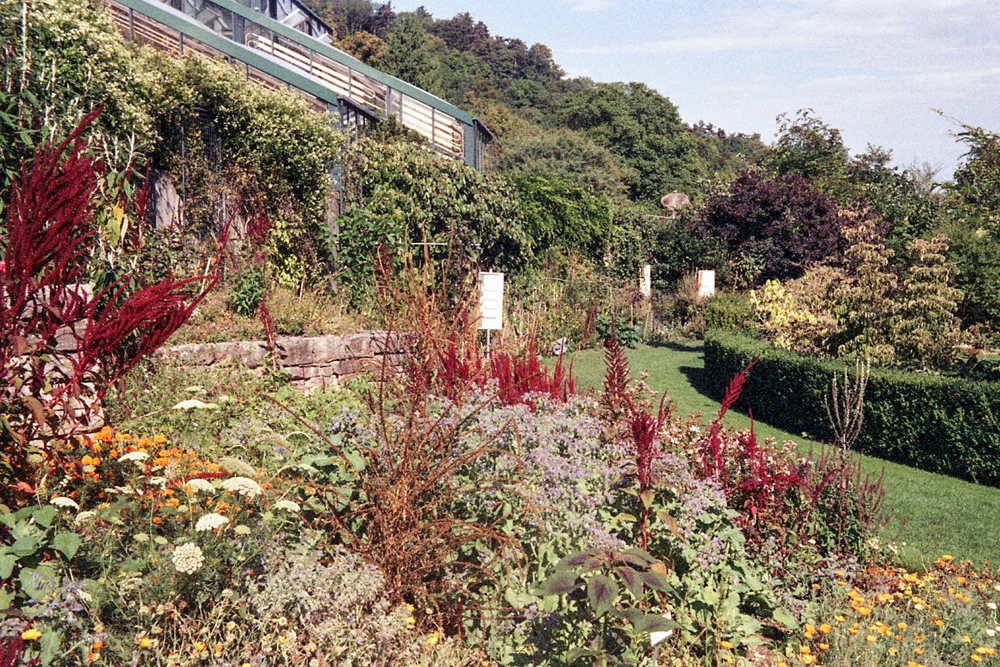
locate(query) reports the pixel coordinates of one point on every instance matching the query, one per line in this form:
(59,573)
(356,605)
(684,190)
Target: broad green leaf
(655,623)
(6,598)
(647,497)
(602,592)
(49,643)
(7,562)
(67,543)
(45,516)
(575,654)
(25,546)
(782,616)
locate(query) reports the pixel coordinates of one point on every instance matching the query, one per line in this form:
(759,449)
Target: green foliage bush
(728,311)
(940,424)
(248,292)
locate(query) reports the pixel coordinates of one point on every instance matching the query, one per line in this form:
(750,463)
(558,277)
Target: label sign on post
(490,300)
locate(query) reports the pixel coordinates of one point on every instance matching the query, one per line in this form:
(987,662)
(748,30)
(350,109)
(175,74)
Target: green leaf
(49,643)
(25,546)
(45,516)
(558,584)
(6,598)
(647,497)
(67,543)
(655,623)
(575,654)
(782,616)
(602,592)
(7,562)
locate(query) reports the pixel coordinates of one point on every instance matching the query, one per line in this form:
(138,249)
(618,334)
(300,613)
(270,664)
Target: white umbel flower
(63,501)
(201,485)
(210,522)
(188,558)
(84,517)
(136,456)
(289,505)
(195,404)
(243,486)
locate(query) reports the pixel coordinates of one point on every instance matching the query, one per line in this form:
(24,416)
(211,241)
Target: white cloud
(587,6)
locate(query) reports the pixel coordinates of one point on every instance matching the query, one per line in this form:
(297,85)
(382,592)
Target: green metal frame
(476,133)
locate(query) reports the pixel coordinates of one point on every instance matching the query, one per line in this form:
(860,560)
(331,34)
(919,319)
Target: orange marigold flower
(976,657)
(157,520)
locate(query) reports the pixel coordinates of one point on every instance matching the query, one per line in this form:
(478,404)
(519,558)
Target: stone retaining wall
(313,362)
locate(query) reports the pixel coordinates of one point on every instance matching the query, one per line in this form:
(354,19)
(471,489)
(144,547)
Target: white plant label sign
(490,300)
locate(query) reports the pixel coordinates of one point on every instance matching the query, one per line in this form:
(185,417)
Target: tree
(927,330)
(977,180)
(364,46)
(642,127)
(461,34)
(415,197)
(348,17)
(773,228)
(810,148)
(567,154)
(904,200)
(559,213)
(407,54)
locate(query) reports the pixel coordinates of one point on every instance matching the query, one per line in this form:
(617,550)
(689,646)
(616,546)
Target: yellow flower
(965,638)
(144,642)
(33,633)
(918,651)
(411,620)
(433,639)
(825,628)
(871,638)
(986,651)
(725,644)
(976,658)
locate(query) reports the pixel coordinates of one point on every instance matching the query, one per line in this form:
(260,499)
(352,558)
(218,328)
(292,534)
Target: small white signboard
(490,300)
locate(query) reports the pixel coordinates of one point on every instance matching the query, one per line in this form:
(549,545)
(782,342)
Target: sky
(899,74)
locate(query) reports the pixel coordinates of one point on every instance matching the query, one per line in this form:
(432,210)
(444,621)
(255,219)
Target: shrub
(939,424)
(728,311)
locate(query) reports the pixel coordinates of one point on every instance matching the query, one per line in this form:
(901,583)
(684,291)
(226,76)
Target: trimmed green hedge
(939,424)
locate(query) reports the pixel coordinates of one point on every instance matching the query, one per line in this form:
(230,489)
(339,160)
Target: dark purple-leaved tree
(776,226)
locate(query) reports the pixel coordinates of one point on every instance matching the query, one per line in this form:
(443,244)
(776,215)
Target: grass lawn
(941,514)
